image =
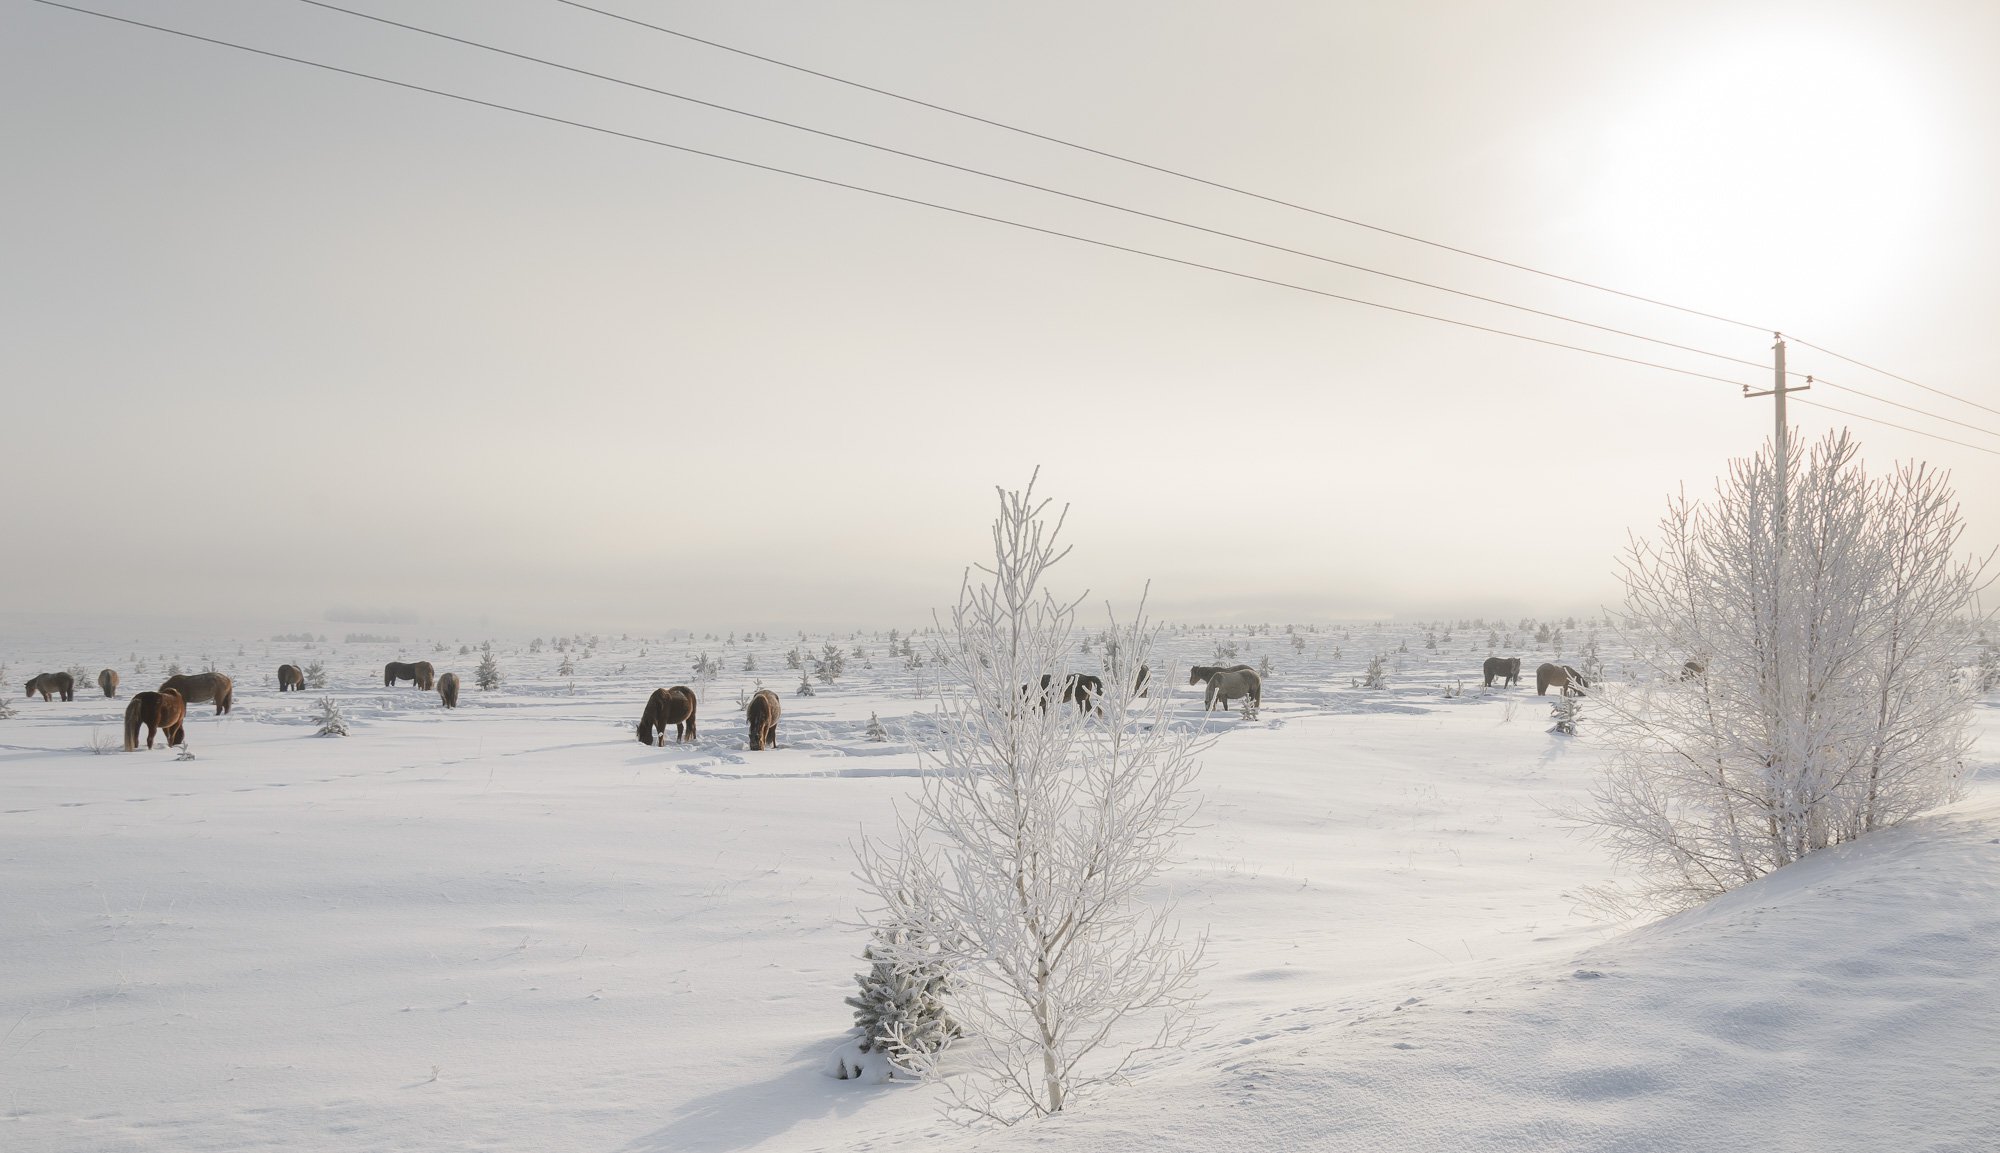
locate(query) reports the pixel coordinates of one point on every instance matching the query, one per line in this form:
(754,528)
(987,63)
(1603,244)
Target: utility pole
(1780,440)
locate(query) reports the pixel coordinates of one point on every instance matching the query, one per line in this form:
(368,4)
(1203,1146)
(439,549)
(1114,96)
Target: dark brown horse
(1571,682)
(1693,670)
(1506,668)
(291,679)
(419,671)
(1080,689)
(448,690)
(196,688)
(108,681)
(161,712)
(52,685)
(763,717)
(674,706)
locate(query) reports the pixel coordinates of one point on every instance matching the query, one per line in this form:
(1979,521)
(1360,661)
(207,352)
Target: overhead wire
(1027,184)
(831,182)
(1895,376)
(1164,170)
(1901,405)
(1893,424)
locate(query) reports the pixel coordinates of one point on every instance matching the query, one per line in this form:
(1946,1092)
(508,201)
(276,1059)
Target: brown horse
(52,685)
(419,671)
(1224,684)
(108,681)
(199,687)
(448,690)
(1571,682)
(763,717)
(161,712)
(1693,670)
(291,679)
(674,706)
(1507,669)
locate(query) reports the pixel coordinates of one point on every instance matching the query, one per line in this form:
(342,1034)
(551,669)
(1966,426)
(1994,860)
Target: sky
(284,346)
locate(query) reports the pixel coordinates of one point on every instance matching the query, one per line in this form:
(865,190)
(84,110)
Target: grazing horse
(448,690)
(198,687)
(161,712)
(1693,670)
(420,671)
(1561,677)
(1201,673)
(1080,689)
(1506,668)
(52,685)
(291,679)
(674,706)
(108,681)
(763,717)
(1224,684)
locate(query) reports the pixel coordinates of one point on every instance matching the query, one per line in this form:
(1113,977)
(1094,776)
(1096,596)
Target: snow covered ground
(512,926)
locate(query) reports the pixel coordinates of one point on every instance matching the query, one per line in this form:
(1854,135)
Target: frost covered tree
(1030,855)
(488,673)
(1827,613)
(830,664)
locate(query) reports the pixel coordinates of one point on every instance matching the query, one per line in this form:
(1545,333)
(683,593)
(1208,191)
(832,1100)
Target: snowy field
(511,926)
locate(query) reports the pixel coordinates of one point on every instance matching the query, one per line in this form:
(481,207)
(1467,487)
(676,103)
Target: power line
(893,151)
(1894,376)
(1168,171)
(1109,155)
(1898,404)
(1892,424)
(884,194)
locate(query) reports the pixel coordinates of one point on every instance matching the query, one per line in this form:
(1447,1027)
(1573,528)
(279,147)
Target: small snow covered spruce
(900,1009)
(488,673)
(331,722)
(875,730)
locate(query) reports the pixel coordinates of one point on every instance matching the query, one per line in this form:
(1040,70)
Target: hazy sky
(275,341)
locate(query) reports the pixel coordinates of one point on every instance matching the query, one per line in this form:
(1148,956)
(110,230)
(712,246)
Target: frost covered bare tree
(1805,662)
(1034,849)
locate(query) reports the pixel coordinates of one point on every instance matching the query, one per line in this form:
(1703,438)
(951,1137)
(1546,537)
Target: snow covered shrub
(1830,633)
(1030,856)
(1264,667)
(1565,712)
(794,659)
(830,663)
(487,675)
(749,662)
(567,668)
(315,674)
(174,669)
(875,730)
(1989,669)
(331,722)
(1377,676)
(900,1012)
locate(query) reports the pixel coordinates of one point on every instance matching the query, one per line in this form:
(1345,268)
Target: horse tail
(132,723)
(225,694)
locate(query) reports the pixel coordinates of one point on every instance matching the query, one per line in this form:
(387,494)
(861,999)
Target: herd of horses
(1549,675)
(163,711)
